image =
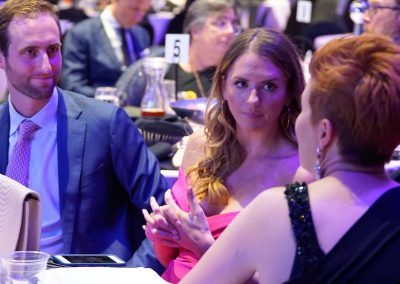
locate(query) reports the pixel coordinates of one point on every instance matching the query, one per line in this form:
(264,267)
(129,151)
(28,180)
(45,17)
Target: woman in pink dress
(247,145)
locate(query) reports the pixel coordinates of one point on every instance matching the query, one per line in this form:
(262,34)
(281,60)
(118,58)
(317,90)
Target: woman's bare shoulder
(272,194)
(302,175)
(269,200)
(194,150)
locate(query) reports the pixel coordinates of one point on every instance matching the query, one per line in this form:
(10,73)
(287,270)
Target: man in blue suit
(97,51)
(87,160)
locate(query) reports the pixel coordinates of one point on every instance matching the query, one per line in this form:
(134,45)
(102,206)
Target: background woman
(248,144)
(344,227)
(212,25)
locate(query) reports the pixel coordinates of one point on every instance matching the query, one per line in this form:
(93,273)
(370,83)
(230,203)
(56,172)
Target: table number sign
(177,48)
(304,11)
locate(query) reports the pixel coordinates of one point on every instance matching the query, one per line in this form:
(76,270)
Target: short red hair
(356,85)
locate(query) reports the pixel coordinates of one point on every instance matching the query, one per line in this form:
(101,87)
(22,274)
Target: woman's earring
(317,165)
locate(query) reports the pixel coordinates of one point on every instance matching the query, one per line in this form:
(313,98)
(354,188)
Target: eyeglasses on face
(364,6)
(223,23)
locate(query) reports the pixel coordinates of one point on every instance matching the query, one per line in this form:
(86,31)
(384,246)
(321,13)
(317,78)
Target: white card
(304,11)
(177,48)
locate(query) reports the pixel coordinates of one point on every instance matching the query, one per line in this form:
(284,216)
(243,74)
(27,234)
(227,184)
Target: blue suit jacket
(106,176)
(89,60)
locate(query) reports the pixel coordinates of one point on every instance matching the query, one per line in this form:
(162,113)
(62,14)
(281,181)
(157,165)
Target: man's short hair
(25,9)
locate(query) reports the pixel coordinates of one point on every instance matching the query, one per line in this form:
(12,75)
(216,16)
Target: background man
(87,160)
(383,17)
(97,51)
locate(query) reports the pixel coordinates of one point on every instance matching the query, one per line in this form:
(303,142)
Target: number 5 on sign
(177,48)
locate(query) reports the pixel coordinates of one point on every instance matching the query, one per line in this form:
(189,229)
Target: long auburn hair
(223,152)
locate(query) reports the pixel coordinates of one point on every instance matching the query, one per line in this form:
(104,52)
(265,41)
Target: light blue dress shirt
(43,169)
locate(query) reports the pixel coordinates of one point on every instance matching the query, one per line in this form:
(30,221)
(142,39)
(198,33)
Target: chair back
(20,217)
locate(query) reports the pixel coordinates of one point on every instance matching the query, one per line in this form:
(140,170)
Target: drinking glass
(154,103)
(170,89)
(24,267)
(108,94)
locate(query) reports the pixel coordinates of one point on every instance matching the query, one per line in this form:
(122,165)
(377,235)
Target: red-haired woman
(344,227)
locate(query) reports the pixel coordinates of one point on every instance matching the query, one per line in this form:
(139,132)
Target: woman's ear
(325,133)
(195,31)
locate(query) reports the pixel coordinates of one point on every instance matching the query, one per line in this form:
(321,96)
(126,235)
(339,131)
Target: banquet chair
(20,215)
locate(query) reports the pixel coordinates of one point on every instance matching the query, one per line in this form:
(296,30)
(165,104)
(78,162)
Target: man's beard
(22,85)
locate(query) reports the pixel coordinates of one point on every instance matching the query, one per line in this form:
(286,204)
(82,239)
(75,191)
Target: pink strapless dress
(186,259)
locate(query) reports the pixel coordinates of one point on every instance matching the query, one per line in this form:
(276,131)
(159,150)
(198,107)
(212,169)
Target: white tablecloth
(102,275)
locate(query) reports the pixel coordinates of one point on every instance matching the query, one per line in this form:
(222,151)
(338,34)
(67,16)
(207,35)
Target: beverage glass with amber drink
(154,101)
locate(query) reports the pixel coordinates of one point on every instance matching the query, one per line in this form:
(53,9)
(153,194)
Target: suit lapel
(70,146)
(4,135)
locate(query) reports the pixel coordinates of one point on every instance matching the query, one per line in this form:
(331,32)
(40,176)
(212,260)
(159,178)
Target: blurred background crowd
(85,67)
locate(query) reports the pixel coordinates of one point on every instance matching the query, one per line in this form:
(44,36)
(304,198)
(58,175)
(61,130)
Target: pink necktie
(18,165)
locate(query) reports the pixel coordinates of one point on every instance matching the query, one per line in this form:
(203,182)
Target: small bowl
(192,109)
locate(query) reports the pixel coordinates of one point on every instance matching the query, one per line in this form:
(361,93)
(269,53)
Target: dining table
(184,117)
(101,275)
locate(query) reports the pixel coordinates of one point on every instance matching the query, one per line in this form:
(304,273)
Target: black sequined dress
(369,252)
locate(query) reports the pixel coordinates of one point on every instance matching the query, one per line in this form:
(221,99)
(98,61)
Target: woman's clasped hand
(173,227)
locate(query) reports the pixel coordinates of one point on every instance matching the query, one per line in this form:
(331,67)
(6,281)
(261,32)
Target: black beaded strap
(308,250)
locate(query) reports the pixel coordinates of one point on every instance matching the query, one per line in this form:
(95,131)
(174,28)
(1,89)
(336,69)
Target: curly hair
(223,152)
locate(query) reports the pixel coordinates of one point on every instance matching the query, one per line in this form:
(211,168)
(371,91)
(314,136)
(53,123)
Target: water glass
(170,89)
(108,94)
(24,267)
